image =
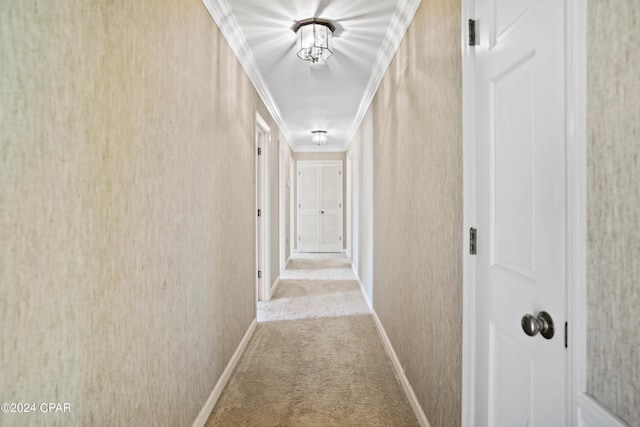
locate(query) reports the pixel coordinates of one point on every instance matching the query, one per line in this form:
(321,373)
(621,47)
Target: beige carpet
(316,358)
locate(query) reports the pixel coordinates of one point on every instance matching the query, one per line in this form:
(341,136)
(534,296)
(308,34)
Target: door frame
(282,205)
(262,132)
(292,206)
(347,203)
(581,409)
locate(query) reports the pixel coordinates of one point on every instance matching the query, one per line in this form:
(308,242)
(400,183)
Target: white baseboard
(364,294)
(593,414)
(274,287)
(203,416)
(406,386)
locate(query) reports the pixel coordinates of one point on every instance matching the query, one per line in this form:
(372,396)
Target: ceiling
(302,98)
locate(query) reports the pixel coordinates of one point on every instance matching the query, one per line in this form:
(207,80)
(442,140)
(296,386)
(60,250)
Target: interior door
(330,207)
(308,208)
(520,211)
(319,206)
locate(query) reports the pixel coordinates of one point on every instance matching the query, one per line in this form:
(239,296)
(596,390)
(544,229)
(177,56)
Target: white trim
(576,211)
(263,127)
(274,287)
(226,21)
(363,290)
(348,204)
(282,206)
(402,17)
(292,207)
(206,410)
(397,366)
(469,219)
(320,149)
(590,413)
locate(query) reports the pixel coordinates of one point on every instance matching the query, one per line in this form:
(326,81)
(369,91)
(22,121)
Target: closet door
(320,206)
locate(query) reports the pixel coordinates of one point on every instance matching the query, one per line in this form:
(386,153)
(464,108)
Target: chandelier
(314,39)
(319,137)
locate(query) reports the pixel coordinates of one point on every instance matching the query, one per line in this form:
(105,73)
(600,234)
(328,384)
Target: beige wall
(408,153)
(126,208)
(613,273)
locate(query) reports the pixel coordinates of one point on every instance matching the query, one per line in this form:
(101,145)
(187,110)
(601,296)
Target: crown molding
(320,149)
(400,22)
(226,21)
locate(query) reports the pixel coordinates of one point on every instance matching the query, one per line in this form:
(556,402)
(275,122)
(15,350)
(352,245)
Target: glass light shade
(319,137)
(315,40)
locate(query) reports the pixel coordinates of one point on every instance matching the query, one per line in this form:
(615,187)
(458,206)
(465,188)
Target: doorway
(263,138)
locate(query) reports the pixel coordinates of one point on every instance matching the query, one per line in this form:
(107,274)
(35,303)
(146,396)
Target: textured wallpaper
(126,209)
(413,133)
(613,275)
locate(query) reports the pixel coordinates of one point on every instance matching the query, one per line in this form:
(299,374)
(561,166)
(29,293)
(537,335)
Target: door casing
(263,139)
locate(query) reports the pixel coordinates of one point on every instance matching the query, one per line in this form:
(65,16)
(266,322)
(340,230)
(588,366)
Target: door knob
(321,212)
(543,323)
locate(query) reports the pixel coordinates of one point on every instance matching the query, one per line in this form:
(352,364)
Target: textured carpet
(316,358)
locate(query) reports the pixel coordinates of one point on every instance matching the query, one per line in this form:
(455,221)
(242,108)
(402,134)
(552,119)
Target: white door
(519,380)
(319,206)
(308,208)
(330,193)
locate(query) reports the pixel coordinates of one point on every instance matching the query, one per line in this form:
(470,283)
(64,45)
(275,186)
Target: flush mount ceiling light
(319,137)
(314,39)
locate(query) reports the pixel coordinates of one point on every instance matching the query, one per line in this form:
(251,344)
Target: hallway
(316,357)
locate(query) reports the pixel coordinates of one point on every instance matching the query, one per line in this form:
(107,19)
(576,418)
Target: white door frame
(347,201)
(292,206)
(263,131)
(582,410)
(282,199)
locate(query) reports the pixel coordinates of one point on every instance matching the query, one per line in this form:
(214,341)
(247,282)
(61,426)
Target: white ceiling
(301,98)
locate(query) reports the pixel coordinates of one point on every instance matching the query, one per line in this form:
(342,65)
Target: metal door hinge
(566,334)
(259,212)
(472,240)
(472,32)
(259,274)
(259,151)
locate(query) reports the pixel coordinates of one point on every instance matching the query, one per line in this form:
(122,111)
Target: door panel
(512,169)
(520,166)
(510,379)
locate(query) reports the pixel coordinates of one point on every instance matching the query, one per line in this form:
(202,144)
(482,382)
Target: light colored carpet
(316,358)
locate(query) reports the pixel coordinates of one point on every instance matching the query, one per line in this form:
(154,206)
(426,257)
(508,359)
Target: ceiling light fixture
(319,137)
(314,39)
